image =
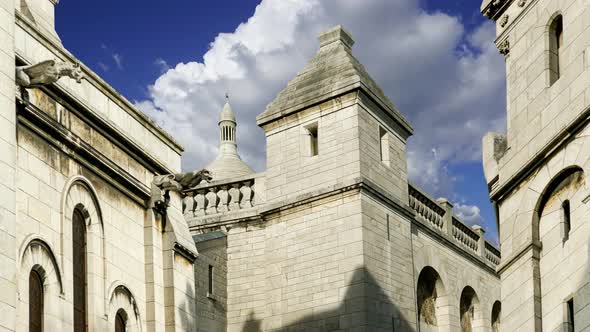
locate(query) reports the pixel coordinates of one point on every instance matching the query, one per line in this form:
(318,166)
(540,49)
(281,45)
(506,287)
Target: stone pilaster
(8,166)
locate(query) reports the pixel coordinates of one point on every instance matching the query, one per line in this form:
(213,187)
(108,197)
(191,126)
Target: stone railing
(427,209)
(492,254)
(438,214)
(219,197)
(465,235)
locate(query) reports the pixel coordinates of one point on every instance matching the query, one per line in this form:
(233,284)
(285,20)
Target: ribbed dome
(227,114)
(227,166)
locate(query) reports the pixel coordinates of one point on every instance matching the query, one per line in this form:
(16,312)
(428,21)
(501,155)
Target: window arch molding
(121,298)
(554,32)
(36,254)
(80,195)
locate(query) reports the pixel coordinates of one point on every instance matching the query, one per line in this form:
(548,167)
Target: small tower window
(555,48)
(312,132)
(384,145)
(567,224)
(210,280)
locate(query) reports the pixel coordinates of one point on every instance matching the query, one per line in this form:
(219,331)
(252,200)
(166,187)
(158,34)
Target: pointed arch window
(35,302)
(555,48)
(79,269)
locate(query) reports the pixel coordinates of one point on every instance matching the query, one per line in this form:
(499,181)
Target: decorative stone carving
(521,3)
(179,182)
(504,47)
(47,72)
(504,20)
(493,8)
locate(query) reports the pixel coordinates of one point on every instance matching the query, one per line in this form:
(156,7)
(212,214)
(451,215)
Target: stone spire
(228,163)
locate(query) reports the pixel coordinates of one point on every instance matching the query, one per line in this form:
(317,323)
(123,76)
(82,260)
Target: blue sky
(435,60)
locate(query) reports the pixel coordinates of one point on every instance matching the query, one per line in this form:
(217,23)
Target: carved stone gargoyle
(163,184)
(45,73)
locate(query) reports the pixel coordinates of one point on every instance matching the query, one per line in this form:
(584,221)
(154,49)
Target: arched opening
(35,302)
(496,311)
(121,321)
(468,310)
(555,48)
(432,301)
(79,263)
(566,216)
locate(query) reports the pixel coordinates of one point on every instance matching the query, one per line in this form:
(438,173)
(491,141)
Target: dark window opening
(313,139)
(35,302)
(570,315)
(567,225)
(121,321)
(79,269)
(210,279)
(555,48)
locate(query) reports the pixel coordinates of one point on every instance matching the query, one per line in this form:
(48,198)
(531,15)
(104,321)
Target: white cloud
(448,82)
(118,60)
(103,66)
(470,214)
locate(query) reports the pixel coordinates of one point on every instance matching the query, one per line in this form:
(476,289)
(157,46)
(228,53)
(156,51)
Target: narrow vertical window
(388,234)
(384,145)
(570,324)
(312,131)
(35,302)
(567,224)
(555,48)
(79,269)
(210,279)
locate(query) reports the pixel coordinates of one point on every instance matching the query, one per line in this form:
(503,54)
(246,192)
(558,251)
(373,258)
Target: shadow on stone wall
(365,307)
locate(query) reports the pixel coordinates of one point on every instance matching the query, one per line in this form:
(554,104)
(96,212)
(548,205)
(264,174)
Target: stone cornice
(97,82)
(61,138)
(185,252)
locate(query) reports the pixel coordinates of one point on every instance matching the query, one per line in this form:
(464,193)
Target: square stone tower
(536,172)
(337,218)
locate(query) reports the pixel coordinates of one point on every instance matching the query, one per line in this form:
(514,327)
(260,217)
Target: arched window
(467,309)
(35,302)
(496,311)
(431,297)
(121,321)
(79,269)
(555,48)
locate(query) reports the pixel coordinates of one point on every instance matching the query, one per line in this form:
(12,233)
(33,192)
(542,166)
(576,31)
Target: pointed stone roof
(331,72)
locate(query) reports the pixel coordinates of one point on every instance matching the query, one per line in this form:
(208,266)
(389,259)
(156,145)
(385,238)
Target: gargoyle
(178,182)
(45,73)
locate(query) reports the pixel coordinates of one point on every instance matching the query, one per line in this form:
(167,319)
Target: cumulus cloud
(470,214)
(447,81)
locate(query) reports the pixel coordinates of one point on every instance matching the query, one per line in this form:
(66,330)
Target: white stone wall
(99,98)
(291,170)
(8,147)
(536,110)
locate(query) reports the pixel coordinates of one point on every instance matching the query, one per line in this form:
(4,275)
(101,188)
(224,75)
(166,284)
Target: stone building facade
(101,232)
(536,172)
(81,249)
(332,236)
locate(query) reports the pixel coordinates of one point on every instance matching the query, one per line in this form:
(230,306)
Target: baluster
(212,201)
(223,199)
(234,193)
(246,195)
(188,206)
(201,202)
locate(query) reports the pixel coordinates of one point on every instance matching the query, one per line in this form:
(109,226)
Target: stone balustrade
(213,198)
(438,215)
(428,210)
(465,235)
